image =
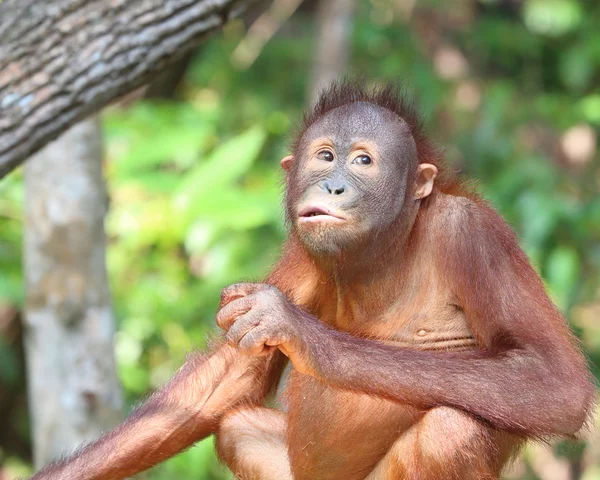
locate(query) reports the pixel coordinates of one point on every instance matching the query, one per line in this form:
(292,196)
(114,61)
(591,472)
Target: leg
(252,442)
(449,444)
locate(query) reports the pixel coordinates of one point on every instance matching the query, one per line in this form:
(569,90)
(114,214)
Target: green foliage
(552,17)
(195,184)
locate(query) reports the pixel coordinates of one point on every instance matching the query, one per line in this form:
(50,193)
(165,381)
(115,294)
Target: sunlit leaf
(235,209)
(590,107)
(221,168)
(552,17)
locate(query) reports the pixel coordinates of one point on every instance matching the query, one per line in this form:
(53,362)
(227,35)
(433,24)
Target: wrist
(320,343)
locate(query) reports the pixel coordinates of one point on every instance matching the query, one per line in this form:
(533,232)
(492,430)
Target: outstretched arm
(184,411)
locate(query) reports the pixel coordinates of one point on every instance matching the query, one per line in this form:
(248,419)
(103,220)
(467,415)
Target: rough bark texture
(62,60)
(333,43)
(166,83)
(73,387)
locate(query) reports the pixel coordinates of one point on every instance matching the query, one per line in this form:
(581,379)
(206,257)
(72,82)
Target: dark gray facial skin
(349,178)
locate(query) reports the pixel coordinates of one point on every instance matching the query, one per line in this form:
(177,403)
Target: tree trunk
(74,392)
(62,60)
(333,43)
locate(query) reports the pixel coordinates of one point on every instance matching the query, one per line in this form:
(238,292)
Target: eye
(325,155)
(362,160)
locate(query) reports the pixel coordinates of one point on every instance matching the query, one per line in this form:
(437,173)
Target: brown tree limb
(62,60)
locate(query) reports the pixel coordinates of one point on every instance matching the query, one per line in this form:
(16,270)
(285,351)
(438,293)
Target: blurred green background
(509,88)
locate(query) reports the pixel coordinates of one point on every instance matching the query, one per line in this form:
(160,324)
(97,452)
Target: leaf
(552,17)
(576,68)
(224,165)
(590,108)
(562,274)
(234,209)
(154,181)
(180,146)
(538,218)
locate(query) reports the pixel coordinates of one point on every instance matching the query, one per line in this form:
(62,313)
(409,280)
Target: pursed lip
(319,213)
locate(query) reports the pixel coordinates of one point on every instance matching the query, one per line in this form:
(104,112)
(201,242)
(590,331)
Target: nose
(333,187)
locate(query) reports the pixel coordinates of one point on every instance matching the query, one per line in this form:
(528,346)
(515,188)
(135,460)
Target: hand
(259,318)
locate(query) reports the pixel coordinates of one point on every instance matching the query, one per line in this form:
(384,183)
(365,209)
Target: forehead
(360,121)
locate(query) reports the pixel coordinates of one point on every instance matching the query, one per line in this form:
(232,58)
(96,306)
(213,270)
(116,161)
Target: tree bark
(62,60)
(333,43)
(166,83)
(74,392)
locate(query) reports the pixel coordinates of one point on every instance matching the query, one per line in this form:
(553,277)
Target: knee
(452,442)
(449,418)
(231,428)
(248,421)
(445,443)
(247,426)
(234,420)
(445,431)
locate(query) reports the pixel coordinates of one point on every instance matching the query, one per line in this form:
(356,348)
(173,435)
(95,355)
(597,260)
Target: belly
(335,433)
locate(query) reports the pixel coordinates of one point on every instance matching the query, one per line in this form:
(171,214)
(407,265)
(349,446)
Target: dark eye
(325,155)
(362,160)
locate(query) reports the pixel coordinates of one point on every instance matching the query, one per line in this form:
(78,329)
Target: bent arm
(517,391)
(184,411)
(528,376)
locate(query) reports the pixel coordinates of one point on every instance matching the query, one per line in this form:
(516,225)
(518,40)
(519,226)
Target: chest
(421,315)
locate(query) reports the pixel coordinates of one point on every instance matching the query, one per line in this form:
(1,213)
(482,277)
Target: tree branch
(62,60)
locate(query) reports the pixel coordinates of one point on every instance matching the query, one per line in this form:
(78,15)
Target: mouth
(319,213)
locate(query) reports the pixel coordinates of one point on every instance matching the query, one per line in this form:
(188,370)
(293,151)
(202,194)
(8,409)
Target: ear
(286,162)
(426,173)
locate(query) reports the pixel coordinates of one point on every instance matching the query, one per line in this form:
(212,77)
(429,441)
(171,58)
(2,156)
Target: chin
(323,241)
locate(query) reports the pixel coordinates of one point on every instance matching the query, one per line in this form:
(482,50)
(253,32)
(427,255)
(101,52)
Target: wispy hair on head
(392,96)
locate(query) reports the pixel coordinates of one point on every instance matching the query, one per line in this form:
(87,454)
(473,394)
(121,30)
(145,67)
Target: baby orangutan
(423,344)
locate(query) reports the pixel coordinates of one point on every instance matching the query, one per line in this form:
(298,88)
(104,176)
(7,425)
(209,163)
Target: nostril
(333,189)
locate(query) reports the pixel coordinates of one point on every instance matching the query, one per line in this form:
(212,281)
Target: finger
(260,341)
(266,350)
(241,327)
(238,290)
(232,311)
(253,342)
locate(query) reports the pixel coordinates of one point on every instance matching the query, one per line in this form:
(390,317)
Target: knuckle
(223,317)
(251,338)
(258,308)
(231,290)
(227,291)
(231,338)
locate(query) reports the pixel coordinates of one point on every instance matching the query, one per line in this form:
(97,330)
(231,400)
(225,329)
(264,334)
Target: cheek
(296,188)
(384,199)
(395,184)
(303,183)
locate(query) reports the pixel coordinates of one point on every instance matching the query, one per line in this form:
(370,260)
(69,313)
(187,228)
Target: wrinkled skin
(259,318)
(373,194)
